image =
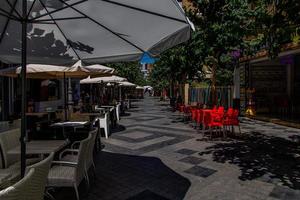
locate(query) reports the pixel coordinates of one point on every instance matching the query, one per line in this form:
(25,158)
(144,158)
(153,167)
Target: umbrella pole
(24,95)
(120,93)
(65,97)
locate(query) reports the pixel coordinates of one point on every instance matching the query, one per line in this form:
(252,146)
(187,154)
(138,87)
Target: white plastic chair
(118,111)
(104,123)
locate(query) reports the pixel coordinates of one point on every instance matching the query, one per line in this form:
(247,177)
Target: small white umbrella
(41,71)
(81,70)
(126,84)
(106,79)
(139,88)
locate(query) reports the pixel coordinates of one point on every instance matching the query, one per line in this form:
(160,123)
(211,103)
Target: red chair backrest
(194,114)
(214,109)
(235,113)
(181,108)
(187,109)
(199,116)
(230,111)
(221,109)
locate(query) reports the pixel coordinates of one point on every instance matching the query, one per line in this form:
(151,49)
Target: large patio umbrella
(62,31)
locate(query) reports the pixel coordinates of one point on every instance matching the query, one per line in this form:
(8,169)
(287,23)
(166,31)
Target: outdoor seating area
(215,121)
(50,164)
(149,100)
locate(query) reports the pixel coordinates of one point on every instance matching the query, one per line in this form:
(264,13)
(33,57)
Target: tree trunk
(213,85)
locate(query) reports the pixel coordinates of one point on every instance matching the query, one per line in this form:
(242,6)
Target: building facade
(271,87)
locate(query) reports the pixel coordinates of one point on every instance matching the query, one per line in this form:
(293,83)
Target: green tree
(225,31)
(277,22)
(131,71)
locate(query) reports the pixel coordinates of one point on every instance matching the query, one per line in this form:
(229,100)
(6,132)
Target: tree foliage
(131,71)
(225,31)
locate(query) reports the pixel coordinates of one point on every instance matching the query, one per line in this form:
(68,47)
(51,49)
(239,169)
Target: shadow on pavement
(130,177)
(267,158)
(126,177)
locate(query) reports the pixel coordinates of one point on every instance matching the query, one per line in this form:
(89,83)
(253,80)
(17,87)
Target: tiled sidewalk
(157,156)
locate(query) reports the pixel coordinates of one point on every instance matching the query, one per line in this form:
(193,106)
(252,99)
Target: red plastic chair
(194,116)
(220,109)
(199,117)
(232,119)
(216,121)
(214,109)
(181,108)
(205,119)
(187,113)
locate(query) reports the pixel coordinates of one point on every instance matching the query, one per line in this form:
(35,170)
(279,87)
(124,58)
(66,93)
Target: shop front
(271,88)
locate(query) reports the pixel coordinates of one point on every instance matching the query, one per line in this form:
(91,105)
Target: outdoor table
(73,125)
(40,147)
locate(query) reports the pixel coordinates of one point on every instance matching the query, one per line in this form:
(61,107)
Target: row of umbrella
(42,71)
(95,31)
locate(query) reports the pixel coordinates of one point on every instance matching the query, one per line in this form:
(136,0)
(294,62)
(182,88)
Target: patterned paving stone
(136,135)
(186,151)
(141,160)
(284,193)
(192,160)
(200,171)
(158,138)
(145,118)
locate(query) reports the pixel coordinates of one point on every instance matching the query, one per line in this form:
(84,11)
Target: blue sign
(147,59)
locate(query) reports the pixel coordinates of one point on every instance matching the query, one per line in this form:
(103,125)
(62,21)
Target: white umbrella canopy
(96,31)
(105,79)
(81,70)
(148,87)
(139,88)
(35,71)
(41,71)
(126,84)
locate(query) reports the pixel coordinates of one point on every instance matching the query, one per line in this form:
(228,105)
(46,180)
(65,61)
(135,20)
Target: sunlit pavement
(154,155)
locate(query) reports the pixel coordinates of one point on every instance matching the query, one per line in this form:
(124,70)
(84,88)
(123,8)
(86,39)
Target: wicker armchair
(10,164)
(9,140)
(32,186)
(70,174)
(70,155)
